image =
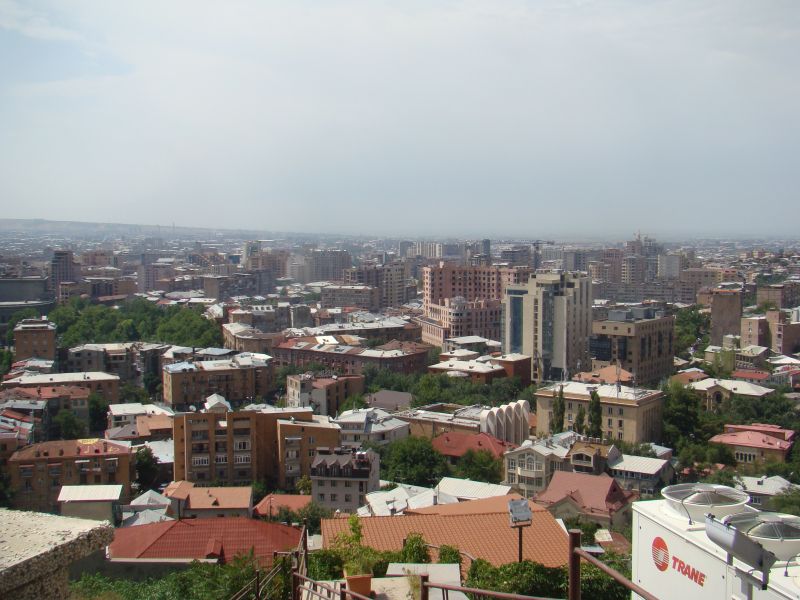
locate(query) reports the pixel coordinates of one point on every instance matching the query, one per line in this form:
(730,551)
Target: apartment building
(38,471)
(244,377)
(328,265)
(361,296)
(103,384)
(324,394)
(116,358)
(464,300)
(756,443)
(726,313)
(639,339)
(632,415)
(780,295)
(390,279)
(240,447)
(341,479)
(549,319)
(245,338)
(338,354)
(34,338)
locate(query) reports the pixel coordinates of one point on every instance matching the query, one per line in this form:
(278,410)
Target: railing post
(423,586)
(574,565)
(343,591)
(305,541)
(295,585)
(257,591)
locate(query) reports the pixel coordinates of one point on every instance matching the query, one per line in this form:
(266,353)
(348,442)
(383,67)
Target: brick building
(35,338)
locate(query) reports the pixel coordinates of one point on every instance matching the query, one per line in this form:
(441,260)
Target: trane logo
(660,554)
(661,559)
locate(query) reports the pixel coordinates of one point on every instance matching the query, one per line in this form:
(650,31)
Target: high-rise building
(62,268)
(550,318)
(328,265)
(726,314)
(460,300)
(390,279)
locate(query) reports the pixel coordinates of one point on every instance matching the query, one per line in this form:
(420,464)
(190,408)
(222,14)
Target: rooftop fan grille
(767,525)
(704,494)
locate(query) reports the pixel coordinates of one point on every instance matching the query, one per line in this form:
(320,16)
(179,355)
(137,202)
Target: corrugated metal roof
(89,493)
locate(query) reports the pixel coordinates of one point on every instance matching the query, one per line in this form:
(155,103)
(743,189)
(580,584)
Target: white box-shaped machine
(675,559)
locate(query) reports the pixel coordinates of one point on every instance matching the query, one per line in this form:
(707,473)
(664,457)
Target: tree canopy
(480,465)
(80,323)
(414,461)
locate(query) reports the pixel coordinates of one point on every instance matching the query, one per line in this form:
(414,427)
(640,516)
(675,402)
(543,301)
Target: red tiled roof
(593,494)
(750,375)
(752,439)
(192,539)
(605,375)
(488,536)
(456,443)
(272,503)
(687,377)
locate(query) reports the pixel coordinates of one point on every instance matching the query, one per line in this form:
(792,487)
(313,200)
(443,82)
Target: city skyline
(572,119)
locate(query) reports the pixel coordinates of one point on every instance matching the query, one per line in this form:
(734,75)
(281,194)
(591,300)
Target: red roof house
(597,498)
(756,443)
(271,504)
(454,444)
(215,540)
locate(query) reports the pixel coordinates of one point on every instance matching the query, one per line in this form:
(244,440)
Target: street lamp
(519,516)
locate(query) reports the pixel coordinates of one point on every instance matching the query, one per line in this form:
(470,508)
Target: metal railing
(260,587)
(475,594)
(576,553)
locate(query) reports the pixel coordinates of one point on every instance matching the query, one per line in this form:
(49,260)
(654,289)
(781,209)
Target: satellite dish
(192,408)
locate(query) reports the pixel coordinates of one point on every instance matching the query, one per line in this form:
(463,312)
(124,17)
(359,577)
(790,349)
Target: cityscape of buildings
(566,361)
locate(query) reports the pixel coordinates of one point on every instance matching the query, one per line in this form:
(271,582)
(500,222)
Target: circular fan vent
(776,532)
(695,500)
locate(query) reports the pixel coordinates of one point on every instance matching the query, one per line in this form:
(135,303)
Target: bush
(449,554)
(415,550)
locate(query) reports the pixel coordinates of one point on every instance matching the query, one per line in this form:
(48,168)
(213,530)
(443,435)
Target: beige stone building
(640,339)
(35,338)
(341,478)
(38,471)
(246,376)
(361,296)
(549,319)
(324,395)
(632,415)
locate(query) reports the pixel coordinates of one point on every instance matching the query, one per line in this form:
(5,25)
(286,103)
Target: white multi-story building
(373,425)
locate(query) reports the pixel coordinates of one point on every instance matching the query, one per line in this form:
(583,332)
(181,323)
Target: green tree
(480,465)
(415,549)
(557,421)
(303,485)
(6,360)
(595,429)
(449,554)
(69,426)
(787,502)
(414,461)
(353,402)
(146,465)
(580,420)
(260,489)
(129,393)
(98,412)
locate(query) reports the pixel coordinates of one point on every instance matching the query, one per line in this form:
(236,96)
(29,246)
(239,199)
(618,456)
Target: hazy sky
(431,118)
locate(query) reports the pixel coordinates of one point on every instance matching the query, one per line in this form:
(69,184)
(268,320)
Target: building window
(610,421)
(321,497)
(348,498)
(333,497)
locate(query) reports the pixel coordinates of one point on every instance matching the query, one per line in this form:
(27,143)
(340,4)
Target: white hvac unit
(675,557)
(695,500)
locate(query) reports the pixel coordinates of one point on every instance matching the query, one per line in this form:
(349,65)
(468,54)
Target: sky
(425,118)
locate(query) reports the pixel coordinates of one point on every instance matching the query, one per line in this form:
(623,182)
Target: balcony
(221,459)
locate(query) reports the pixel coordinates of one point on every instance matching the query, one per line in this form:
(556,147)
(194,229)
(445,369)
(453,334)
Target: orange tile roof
(147,424)
(456,443)
(212,498)
(481,506)
(272,503)
(192,539)
(605,375)
(488,537)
